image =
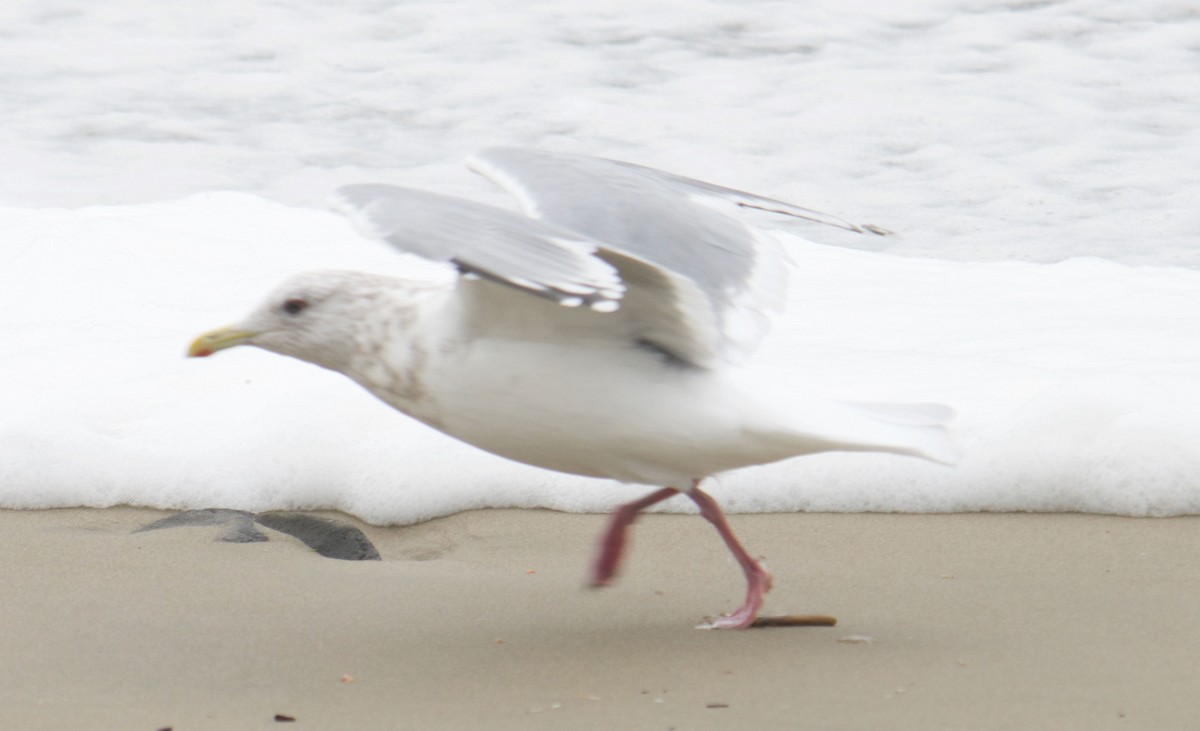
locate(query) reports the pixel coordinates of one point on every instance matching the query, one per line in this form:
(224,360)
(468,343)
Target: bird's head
(311,316)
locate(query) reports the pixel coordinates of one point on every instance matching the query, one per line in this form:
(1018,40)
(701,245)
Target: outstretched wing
(489,242)
(718,277)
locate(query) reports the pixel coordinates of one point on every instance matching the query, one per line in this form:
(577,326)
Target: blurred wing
(716,279)
(482,240)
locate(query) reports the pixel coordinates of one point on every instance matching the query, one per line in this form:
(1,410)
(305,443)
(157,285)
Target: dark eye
(295,306)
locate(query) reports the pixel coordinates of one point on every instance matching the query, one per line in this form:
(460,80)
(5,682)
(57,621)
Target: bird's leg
(758,579)
(613,540)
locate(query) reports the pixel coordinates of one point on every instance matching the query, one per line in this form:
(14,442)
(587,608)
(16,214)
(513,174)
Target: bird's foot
(758,583)
(612,541)
(738,620)
(607,559)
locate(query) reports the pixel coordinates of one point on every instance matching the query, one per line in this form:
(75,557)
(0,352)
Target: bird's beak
(219,339)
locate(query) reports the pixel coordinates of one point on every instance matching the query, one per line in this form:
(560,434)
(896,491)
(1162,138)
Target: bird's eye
(295,306)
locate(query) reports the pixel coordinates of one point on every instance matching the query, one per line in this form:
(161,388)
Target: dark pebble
(327,537)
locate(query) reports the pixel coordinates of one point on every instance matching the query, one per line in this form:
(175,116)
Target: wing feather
(500,245)
(720,277)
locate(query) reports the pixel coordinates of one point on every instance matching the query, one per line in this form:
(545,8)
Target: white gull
(603,334)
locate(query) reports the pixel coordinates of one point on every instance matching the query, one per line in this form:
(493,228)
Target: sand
(480,620)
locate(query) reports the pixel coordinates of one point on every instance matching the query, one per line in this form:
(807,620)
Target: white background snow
(164,165)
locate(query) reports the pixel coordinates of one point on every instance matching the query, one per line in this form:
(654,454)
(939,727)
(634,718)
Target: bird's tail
(918,430)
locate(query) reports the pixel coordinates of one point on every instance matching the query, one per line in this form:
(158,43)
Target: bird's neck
(395,345)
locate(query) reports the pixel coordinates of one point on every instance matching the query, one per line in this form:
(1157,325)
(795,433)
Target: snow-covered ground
(999,139)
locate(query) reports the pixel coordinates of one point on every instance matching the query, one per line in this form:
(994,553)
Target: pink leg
(613,540)
(758,579)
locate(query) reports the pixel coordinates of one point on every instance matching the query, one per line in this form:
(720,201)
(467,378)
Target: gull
(605,332)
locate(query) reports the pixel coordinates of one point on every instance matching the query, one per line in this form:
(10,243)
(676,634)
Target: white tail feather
(917,429)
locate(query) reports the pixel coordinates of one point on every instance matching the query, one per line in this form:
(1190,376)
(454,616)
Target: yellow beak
(219,339)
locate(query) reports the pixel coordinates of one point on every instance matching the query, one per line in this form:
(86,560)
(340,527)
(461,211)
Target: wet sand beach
(481,620)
